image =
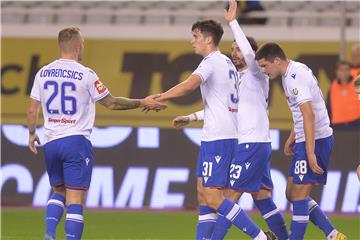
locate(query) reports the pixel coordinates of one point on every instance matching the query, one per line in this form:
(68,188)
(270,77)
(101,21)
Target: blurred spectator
(357,86)
(344,104)
(355,60)
(245,7)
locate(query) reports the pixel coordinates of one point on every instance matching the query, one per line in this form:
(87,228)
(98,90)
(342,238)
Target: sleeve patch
(100,87)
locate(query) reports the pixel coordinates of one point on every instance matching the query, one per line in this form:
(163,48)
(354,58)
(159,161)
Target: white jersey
(67,91)
(300,86)
(219,94)
(252,114)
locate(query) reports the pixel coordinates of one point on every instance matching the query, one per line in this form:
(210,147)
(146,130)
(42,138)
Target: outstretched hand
(152,102)
(180,121)
(230,14)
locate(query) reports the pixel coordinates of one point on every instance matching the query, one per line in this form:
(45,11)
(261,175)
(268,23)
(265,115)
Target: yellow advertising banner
(136,69)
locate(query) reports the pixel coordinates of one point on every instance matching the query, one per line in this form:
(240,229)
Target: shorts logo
(295,91)
(217,158)
(205,179)
(301,177)
(100,88)
(232,182)
(293,75)
(87,160)
(247,165)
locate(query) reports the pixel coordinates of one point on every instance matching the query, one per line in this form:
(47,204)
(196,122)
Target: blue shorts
(214,162)
(250,168)
(69,162)
(300,169)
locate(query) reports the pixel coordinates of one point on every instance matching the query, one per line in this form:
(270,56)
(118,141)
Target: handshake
(152,102)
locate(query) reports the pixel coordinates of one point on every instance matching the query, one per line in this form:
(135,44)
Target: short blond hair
(68,35)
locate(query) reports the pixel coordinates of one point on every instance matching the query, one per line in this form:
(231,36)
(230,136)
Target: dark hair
(357,81)
(253,43)
(342,62)
(209,27)
(269,51)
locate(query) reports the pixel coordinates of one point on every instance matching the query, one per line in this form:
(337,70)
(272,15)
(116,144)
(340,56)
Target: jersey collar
(288,68)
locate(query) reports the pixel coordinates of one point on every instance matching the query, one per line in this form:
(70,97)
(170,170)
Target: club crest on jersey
(100,88)
(295,91)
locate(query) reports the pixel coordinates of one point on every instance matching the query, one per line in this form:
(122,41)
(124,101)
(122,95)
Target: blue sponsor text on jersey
(64,73)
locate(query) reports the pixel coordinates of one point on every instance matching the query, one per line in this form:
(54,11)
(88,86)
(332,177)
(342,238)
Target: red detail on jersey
(232,109)
(100,87)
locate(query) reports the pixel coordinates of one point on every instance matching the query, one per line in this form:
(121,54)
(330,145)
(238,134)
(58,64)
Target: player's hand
(181,121)
(313,164)
(230,14)
(32,139)
(288,148)
(152,103)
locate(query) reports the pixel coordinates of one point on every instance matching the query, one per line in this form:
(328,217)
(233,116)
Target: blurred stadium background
(144,167)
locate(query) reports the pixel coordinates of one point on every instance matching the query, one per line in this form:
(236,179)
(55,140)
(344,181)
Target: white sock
(261,236)
(332,235)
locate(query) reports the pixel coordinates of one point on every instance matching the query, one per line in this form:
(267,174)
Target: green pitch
(28,224)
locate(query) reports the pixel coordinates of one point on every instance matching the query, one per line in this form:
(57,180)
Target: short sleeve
(35,91)
(298,87)
(96,88)
(204,70)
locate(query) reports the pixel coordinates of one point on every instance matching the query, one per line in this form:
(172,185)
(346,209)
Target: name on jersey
(64,73)
(61,120)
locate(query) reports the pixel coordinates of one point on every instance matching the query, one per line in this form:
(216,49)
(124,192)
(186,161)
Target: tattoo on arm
(119,103)
(122,103)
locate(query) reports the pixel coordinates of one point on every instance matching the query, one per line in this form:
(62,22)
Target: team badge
(295,91)
(100,87)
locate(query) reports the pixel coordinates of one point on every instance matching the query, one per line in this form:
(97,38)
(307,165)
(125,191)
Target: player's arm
(181,121)
(309,130)
(122,103)
(32,117)
(240,38)
(288,148)
(184,88)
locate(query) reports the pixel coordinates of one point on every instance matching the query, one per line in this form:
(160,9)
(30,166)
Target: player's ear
(277,60)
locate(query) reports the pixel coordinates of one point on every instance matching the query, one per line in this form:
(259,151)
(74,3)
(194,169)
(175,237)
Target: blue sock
(238,217)
(207,220)
(74,223)
(221,228)
(318,217)
(273,217)
(54,212)
(300,219)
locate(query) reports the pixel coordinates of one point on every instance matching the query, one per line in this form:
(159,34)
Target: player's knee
(213,200)
(288,195)
(201,198)
(75,197)
(60,190)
